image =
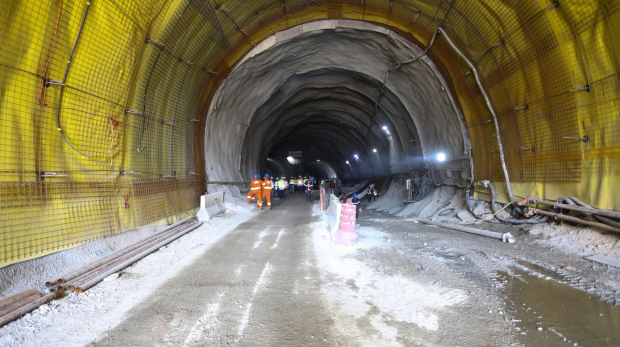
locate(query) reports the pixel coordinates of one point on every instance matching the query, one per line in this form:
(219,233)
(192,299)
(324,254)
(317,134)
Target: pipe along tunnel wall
(115,114)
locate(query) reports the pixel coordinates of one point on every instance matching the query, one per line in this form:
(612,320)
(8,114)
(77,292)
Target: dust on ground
(277,279)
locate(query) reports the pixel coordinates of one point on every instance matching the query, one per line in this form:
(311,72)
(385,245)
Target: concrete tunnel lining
(255,91)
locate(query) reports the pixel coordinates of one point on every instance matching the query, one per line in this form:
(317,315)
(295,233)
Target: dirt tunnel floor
(277,280)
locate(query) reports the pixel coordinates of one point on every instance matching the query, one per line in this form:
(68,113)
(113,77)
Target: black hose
(533,220)
(471,209)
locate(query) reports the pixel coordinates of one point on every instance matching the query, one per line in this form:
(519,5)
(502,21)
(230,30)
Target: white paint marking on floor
(260,238)
(262,280)
(204,323)
(275,245)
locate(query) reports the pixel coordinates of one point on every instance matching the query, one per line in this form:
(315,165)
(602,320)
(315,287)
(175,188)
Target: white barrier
(211,205)
(333,214)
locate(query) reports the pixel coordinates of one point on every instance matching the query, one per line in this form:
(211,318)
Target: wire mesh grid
(68,71)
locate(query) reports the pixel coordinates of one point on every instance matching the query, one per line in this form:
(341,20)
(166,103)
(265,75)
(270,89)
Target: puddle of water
(567,316)
(541,270)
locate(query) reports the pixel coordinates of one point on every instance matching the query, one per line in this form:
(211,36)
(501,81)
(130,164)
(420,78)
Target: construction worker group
(266,189)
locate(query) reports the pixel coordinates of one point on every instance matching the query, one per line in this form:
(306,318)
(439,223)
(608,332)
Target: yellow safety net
(102,102)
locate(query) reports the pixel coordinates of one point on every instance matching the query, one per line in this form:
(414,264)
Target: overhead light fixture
(374,150)
(356,157)
(318,160)
(289,158)
(441,157)
(385,127)
(347,161)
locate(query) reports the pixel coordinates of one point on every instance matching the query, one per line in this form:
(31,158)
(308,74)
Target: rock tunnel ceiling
(324,85)
(104,104)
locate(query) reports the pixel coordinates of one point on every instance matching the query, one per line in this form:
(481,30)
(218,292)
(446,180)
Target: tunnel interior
(308,94)
(117,115)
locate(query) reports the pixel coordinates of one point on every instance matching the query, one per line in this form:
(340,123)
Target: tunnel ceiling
(324,84)
(104,105)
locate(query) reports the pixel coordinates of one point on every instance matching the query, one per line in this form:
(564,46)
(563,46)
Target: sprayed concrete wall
(320,82)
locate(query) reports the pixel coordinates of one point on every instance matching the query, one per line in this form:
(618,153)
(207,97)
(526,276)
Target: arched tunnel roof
(115,114)
(295,86)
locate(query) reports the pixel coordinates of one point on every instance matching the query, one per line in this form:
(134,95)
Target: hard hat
(266,175)
(354,194)
(256,176)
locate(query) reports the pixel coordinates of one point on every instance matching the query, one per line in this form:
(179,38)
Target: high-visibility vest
(267,184)
(281,184)
(256,184)
(300,182)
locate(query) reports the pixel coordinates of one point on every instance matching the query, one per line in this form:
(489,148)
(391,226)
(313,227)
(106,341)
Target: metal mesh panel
(68,72)
(592,38)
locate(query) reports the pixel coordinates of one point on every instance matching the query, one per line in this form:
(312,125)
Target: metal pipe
(27,308)
(10,308)
(591,210)
(571,200)
(17,297)
(88,267)
(94,272)
(488,102)
(576,220)
(100,277)
(70,285)
(506,237)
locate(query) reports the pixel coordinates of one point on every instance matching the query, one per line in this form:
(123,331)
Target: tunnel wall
(145,69)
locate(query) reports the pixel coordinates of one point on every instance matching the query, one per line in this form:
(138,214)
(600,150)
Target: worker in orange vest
(267,187)
(255,192)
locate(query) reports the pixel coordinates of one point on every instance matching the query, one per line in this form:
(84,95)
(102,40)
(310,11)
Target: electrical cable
(148,83)
(387,76)
(64,79)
